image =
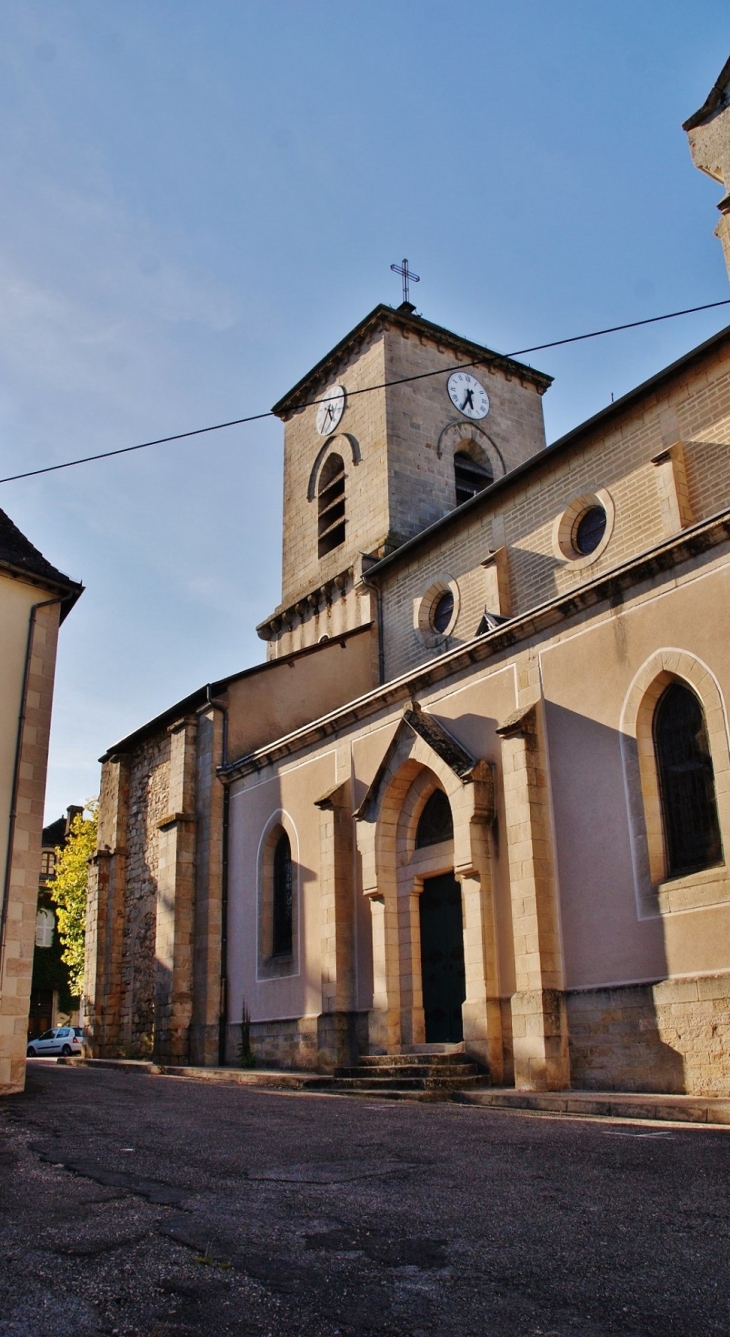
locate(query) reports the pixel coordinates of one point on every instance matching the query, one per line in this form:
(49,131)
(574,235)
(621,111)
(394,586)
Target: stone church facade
(478,796)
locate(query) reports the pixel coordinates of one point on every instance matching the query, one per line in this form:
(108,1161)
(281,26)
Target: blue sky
(199,199)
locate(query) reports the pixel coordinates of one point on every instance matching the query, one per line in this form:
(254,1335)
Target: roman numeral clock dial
(331,410)
(468,395)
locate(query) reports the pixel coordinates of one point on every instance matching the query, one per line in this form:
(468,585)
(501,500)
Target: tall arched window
(436,822)
(282,935)
(470,476)
(331,505)
(686,783)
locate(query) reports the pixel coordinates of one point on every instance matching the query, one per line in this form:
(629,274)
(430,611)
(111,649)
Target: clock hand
(468,399)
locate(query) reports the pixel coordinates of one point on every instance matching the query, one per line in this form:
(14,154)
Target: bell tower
(398,424)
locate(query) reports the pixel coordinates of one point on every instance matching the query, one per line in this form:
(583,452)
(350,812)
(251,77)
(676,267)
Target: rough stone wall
(305,1044)
(694,410)
(148,804)
(424,429)
(672,1036)
(366,483)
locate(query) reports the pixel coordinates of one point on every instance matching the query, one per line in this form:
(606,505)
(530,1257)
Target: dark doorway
(40,1017)
(442,959)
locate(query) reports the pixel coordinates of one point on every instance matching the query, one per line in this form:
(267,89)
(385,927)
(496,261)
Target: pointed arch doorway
(442,959)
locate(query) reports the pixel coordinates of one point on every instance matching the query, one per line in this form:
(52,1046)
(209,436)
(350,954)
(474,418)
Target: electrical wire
(366,390)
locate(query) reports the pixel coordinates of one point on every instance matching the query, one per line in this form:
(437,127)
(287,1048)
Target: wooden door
(442,959)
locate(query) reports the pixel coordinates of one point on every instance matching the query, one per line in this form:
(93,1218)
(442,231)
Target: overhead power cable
(366,390)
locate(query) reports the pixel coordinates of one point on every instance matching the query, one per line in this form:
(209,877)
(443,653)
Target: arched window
(435,823)
(282,935)
(686,783)
(470,476)
(331,505)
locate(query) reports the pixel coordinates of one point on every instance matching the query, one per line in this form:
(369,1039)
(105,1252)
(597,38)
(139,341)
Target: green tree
(68,890)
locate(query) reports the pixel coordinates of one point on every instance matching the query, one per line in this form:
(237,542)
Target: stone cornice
(317,379)
(612,586)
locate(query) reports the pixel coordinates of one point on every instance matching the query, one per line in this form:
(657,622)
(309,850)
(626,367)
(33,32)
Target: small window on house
(48,862)
(331,505)
(45,923)
(470,476)
(435,823)
(282,936)
(686,783)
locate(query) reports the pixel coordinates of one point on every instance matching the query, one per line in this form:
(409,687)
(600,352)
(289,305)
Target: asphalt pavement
(164,1207)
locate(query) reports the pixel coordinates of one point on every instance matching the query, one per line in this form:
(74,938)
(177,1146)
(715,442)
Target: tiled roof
(18,552)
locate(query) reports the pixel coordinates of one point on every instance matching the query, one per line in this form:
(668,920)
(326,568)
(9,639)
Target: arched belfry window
(436,822)
(331,505)
(282,935)
(470,476)
(686,783)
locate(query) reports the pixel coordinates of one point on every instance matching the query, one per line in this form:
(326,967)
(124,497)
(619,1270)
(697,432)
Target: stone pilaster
(337,1044)
(207,965)
(671,477)
(538,1004)
(176,899)
(105,915)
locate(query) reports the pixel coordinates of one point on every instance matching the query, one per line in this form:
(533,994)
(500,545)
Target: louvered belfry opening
(331,505)
(686,783)
(282,937)
(470,476)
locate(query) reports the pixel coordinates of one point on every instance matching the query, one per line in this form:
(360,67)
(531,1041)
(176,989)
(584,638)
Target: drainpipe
(379,617)
(223,1006)
(46,603)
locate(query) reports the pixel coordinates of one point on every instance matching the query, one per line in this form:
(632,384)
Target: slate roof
(18,554)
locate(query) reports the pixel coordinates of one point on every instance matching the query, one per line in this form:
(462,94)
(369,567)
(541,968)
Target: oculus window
(588,530)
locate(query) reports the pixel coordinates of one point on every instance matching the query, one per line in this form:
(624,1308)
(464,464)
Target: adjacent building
(35,598)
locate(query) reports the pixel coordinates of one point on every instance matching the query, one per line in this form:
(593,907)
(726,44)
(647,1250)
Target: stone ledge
(271,1077)
(713,1110)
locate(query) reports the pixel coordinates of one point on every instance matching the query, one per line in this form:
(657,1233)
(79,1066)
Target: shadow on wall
(618,1035)
(616,1043)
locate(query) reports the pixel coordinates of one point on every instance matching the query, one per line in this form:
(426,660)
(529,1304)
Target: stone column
(538,1005)
(175,900)
(101,1003)
(473,808)
(337,1040)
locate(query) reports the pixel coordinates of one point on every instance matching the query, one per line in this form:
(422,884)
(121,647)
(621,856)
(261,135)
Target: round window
(442,611)
(588,530)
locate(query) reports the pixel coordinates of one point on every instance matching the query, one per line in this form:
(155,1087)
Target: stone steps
(421,1075)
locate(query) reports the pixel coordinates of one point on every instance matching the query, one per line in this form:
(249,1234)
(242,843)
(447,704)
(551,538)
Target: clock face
(468,395)
(331,410)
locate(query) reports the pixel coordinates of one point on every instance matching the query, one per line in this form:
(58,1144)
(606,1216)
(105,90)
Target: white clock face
(468,395)
(331,410)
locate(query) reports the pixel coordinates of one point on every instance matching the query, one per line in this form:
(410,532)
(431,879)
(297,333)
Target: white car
(66,1040)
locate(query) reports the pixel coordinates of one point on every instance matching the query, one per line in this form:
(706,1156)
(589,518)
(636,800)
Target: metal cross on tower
(408,277)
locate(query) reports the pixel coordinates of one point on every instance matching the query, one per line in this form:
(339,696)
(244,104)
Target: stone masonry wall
(672,1036)
(695,410)
(148,804)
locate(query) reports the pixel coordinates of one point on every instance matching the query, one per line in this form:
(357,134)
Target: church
(476,800)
